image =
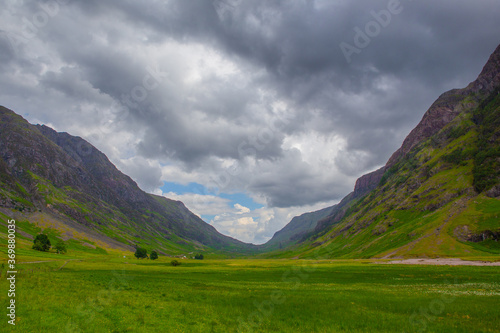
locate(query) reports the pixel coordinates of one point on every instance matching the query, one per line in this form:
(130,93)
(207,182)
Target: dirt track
(441,261)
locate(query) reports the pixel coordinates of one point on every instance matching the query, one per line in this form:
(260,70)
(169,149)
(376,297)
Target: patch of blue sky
(183,189)
(207,218)
(234,198)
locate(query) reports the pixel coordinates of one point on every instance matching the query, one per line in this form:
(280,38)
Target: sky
(249,111)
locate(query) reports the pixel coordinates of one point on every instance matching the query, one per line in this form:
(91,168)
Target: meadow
(110,293)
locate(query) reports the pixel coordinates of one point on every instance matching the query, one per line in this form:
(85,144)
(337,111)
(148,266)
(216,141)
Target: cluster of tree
(199,256)
(42,243)
(141,253)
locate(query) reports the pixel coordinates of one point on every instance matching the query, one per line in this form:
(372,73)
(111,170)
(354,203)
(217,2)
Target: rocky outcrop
(489,79)
(494,192)
(368,182)
(448,106)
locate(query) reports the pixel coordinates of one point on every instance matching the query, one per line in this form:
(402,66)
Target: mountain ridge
(60,174)
(450,107)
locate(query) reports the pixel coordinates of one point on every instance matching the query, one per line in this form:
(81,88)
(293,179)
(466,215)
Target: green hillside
(440,199)
(64,185)
(437,196)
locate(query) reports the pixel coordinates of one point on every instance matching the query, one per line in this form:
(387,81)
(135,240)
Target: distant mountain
(438,195)
(303,226)
(61,178)
(296,229)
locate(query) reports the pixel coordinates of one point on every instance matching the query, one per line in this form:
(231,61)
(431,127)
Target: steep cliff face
(368,182)
(449,105)
(62,175)
(98,176)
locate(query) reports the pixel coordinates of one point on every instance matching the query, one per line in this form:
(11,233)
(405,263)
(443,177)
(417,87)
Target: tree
(153,255)
(141,253)
(175,263)
(199,256)
(61,246)
(41,243)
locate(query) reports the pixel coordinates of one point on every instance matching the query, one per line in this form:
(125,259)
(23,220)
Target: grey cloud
(97,51)
(293,182)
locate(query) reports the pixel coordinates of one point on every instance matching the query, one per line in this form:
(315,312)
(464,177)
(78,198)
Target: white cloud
(241,209)
(202,204)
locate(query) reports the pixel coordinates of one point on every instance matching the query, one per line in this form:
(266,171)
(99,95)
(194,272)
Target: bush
(153,255)
(141,253)
(199,256)
(41,243)
(61,246)
(175,263)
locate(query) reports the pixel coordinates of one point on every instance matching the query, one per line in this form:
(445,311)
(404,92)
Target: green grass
(112,294)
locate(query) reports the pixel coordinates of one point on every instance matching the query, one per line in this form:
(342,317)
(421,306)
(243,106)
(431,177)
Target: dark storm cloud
(427,47)
(287,51)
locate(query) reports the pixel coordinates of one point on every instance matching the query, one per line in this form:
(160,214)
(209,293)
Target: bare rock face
(448,106)
(494,192)
(368,182)
(489,79)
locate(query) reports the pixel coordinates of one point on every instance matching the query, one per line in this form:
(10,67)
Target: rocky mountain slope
(56,177)
(438,195)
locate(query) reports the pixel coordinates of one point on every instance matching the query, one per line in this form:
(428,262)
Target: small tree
(61,246)
(175,263)
(199,256)
(153,255)
(141,253)
(41,243)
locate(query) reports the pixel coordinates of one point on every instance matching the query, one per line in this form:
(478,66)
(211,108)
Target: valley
(413,246)
(117,294)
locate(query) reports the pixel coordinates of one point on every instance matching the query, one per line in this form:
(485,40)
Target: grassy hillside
(440,199)
(60,182)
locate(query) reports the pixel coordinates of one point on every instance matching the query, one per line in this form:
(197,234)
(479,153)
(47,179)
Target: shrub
(199,256)
(41,243)
(153,255)
(175,263)
(141,253)
(61,246)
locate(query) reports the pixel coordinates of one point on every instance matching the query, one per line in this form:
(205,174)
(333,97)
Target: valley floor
(115,294)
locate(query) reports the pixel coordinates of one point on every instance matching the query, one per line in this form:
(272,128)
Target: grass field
(115,294)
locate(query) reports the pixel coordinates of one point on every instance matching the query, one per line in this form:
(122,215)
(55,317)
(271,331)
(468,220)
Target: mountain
(438,195)
(62,181)
(303,226)
(296,229)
